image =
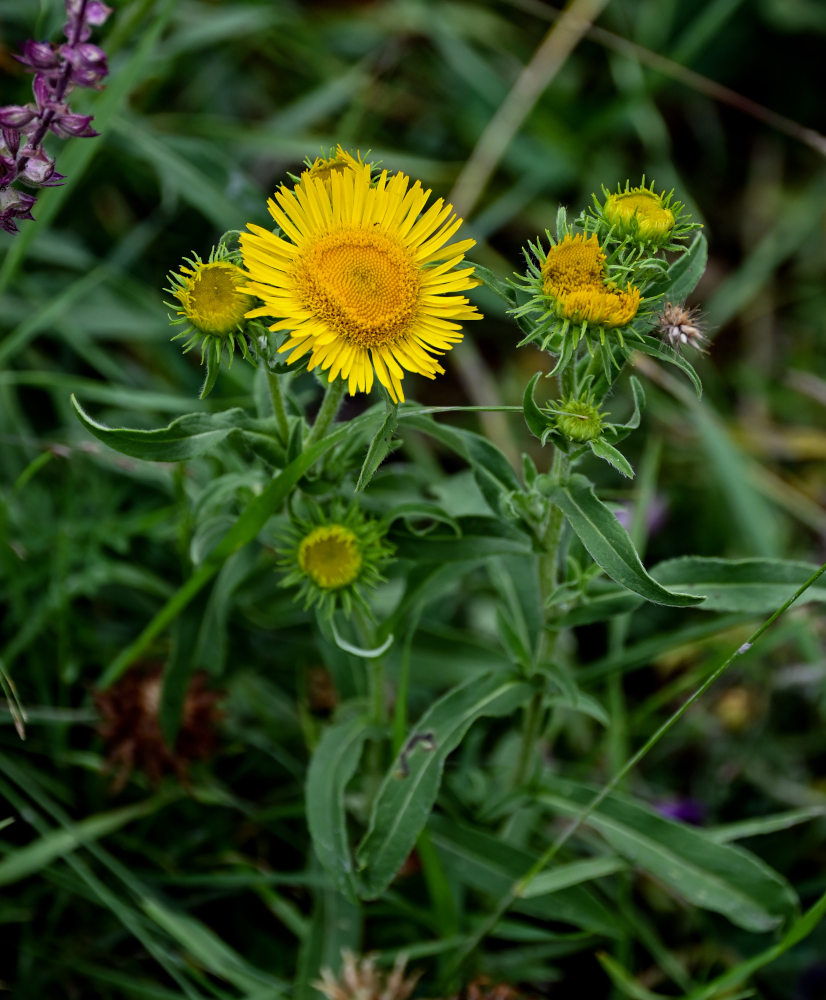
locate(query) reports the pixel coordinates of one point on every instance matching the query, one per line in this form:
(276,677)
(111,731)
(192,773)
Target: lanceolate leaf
(488,864)
(410,788)
(609,544)
(686,271)
(663,352)
(331,768)
(752,585)
(719,877)
(187,437)
(380,447)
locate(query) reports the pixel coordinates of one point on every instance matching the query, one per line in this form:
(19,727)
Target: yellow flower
(640,213)
(211,296)
(211,303)
(573,274)
(323,167)
(361,279)
(330,556)
(333,557)
(601,305)
(573,262)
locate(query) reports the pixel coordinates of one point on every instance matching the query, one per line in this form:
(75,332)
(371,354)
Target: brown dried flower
(680,327)
(131,730)
(359,979)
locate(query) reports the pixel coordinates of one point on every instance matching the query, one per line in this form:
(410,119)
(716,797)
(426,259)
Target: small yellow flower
(211,301)
(333,557)
(330,556)
(640,213)
(323,167)
(573,275)
(363,278)
(211,297)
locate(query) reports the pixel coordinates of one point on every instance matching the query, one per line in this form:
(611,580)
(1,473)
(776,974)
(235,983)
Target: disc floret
(211,303)
(333,557)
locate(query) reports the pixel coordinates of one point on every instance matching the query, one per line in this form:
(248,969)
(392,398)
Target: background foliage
(212,890)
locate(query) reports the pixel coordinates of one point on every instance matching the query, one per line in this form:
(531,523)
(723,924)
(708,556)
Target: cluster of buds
(57,69)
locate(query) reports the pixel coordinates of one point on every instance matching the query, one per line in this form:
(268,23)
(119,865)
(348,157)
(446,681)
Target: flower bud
(39,169)
(67,125)
(16,116)
(579,419)
(39,56)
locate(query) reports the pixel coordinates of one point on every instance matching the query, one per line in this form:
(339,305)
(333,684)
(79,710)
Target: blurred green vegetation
(207,891)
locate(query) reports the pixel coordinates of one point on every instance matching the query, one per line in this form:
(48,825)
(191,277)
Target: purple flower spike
(57,70)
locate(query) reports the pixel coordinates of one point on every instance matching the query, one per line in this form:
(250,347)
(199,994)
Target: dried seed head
(680,326)
(359,979)
(132,733)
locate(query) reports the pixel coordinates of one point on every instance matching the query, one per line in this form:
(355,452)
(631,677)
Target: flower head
(359,979)
(212,303)
(642,217)
(681,327)
(333,558)
(322,168)
(132,733)
(362,279)
(574,296)
(579,418)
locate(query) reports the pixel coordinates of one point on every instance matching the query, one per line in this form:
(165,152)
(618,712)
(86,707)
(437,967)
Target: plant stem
(548,582)
(329,409)
(278,408)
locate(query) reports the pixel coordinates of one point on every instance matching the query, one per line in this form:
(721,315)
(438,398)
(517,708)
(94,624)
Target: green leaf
(331,768)
(537,421)
(493,866)
(492,471)
(207,948)
(718,877)
(608,453)
(410,788)
(684,273)
(187,437)
(751,585)
(609,543)
(799,930)
(380,447)
(664,352)
(58,843)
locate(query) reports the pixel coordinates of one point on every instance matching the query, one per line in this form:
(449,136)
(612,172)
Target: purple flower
(57,70)
(685,810)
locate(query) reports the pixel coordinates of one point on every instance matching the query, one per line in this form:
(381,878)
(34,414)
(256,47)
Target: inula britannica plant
(388,699)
